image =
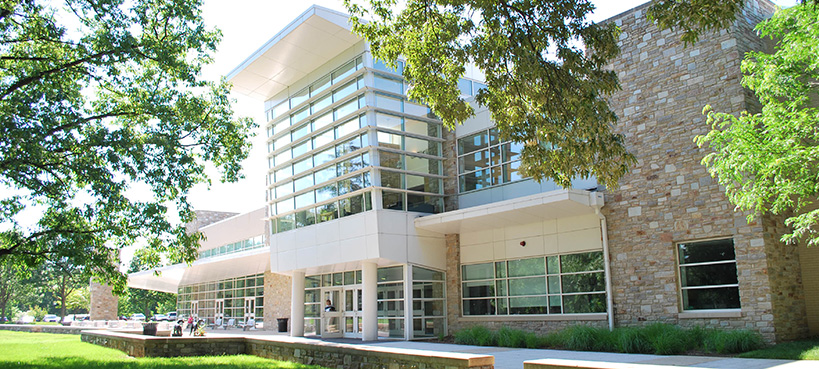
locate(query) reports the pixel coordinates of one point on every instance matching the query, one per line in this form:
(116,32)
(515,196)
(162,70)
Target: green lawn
(43,350)
(800,350)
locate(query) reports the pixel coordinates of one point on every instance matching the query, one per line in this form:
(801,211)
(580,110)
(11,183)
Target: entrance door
(250,308)
(195,310)
(352,312)
(331,315)
(220,309)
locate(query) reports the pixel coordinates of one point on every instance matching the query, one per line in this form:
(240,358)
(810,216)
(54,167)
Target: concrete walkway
(513,358)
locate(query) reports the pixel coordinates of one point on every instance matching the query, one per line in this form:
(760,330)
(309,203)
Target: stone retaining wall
(300,350)
(42,328)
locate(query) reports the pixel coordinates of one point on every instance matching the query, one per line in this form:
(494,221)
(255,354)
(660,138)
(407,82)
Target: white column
(408,302)
(369,310)
(297,305)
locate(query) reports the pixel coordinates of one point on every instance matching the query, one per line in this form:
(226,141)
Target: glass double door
(341,314)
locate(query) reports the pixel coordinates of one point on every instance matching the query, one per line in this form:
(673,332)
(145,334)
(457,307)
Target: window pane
(527,286)
(305,218)
(708,275)
(301,131)
(391,274)
(526,267)
(327,192)
(320,104)
(389,84)
(711,298)
(423,165)
(465,86)
(282,141)
(472,161)
(300,115)
(511,151)
(344,91)
(421,146)
(283,156)
(511,173)
(303,165)
(699,252)
(479,289)
(346,109)
(528,305)
(325,174)
(590,282)
(346,128)
(423,204)
(281,126)
(298,98)
(324,156)
(421,128)
(303,182)
(388,121)
(477,271)
(587,261)
(580,304)
(284,189)
(388,103)
(302,148)
(424,274)
(305,199)
(390,160)
(392,200)
(479,307)
(389,140)
(279,109)
(390,179)
(323,138)
(344,71)
(473,142)
(417,109)
(284,206)
(320,85)
(326,212)
(322,121)
(423,184)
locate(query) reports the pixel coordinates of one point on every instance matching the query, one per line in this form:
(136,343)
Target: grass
(43,350)
(800,350)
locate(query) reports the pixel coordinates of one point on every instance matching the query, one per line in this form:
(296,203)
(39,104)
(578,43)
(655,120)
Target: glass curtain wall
(485,161)
(428,303)
(559,284)
(233,291)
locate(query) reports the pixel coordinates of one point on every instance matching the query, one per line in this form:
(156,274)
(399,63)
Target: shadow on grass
(798,350)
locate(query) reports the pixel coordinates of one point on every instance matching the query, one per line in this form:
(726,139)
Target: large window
(390,295)
(560,284)
(708,275)
(226,297)
(428,302)
(484,161)
(243,245)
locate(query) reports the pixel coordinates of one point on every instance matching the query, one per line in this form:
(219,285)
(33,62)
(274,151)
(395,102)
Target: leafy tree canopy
(544,64)
(769,161)
(97,97)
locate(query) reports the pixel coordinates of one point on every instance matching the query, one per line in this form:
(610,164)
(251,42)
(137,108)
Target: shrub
(667,339)
(633,341)
(585,338)
(508,337)
(476,335)
(734,341)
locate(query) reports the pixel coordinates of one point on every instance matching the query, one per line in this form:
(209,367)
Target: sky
(246,25)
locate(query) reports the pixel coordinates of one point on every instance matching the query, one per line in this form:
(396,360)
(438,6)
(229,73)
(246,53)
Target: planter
(149,329)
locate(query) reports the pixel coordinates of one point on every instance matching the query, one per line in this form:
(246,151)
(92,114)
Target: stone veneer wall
(206,217)
(450,162)
(277,295)
(103,304)
(668,197)
(305,351)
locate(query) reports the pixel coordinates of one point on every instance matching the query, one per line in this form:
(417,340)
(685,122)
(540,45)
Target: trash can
(282,324)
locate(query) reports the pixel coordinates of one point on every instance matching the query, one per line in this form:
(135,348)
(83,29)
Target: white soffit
(528,209)
(316,36)
(167,280)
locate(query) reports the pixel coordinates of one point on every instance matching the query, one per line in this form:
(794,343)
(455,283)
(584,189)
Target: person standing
(191,325)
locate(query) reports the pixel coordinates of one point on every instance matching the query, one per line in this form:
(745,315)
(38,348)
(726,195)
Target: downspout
(598,203)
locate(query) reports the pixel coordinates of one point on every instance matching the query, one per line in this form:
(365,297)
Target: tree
(545,66)
(98,98)
(767,161)
(79,300)
(11,287)
(145,301)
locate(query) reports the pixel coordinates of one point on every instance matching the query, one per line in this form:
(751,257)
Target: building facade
(379,223)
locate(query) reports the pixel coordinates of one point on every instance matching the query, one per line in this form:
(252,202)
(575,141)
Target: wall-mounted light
(522,243)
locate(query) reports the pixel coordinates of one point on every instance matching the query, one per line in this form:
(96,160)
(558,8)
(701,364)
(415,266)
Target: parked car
(51,318)
(137,316)
(159,317)
(171,315)
(26,319)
